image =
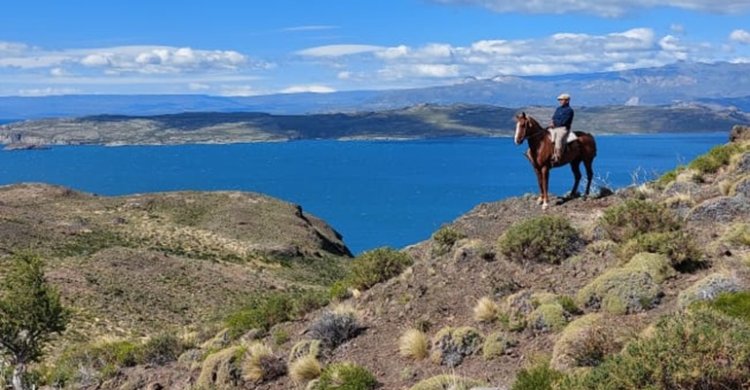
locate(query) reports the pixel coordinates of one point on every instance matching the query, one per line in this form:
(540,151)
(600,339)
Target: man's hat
(563,96)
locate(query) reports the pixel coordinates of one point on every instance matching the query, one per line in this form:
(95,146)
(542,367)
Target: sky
(255,47)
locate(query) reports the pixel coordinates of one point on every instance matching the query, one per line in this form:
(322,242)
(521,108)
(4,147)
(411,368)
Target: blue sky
(258,47)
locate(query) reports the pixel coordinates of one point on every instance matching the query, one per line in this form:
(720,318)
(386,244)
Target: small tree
(30,313)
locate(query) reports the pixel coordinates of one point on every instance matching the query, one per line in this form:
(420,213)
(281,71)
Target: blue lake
(374,193)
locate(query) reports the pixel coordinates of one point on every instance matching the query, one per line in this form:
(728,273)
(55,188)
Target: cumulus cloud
(607,8)
(740,36)
(313,88)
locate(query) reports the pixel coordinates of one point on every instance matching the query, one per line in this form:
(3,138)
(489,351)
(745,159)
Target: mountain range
(718,84)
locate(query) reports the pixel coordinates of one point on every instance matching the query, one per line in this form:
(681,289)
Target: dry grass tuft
(486,310)
(414,344)
(261,365)
(305,369)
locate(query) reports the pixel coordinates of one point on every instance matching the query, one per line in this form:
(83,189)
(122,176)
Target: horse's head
(523,124)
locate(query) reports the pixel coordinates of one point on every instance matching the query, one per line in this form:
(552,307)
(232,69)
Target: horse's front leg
(538,173)
(545,186)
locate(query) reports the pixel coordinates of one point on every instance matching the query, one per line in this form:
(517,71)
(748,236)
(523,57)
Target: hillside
(237,281)
(423,121)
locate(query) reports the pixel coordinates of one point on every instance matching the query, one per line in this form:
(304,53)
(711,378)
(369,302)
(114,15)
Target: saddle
(571,136)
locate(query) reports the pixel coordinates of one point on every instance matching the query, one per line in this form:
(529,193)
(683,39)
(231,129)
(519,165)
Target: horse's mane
(533,121)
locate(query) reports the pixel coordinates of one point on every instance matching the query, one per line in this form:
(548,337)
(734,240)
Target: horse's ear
(523,115)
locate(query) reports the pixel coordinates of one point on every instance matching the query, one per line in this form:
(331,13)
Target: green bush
(537,377)
(716,158)
(444,239)
(339,291)
(735,305)
(345,376)
(681,249)
(668,177)
(161,349)
(700,349)
(635,217)
(264,311)
(545,239)
(377,266)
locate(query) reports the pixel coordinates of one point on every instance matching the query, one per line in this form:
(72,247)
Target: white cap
(563,96)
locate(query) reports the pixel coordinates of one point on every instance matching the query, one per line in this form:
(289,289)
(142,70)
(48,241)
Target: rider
(560,128)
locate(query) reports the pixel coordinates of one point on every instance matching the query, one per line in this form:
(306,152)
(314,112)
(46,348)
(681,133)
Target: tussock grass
(486,310)
(345,376)
(414,344)
(444,239)
(305,369)
(261,364)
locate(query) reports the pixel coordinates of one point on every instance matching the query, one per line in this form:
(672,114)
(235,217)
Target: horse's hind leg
(589,174)
(575,166)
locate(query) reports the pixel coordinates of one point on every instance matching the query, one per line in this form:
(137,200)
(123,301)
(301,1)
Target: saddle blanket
(571,136)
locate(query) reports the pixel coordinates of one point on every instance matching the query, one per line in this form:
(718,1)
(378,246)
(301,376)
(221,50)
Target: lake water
(374,193)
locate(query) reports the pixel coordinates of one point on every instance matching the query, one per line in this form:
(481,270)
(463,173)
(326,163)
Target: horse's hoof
(545,206)
(539,200)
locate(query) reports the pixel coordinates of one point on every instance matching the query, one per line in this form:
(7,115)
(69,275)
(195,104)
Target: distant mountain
(721,84)
(420,121)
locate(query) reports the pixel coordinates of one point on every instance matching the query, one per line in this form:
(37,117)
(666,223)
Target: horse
(541,149)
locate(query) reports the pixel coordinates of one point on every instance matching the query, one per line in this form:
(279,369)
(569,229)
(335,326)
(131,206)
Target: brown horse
(540,153)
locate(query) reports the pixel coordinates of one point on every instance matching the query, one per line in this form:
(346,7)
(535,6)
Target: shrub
(264,311)
(345,376)
(497,344)
(486,310)
(678,246)
(620,291)
(716,158)
(304,369)
(700,349)
(339,291)
(634,217)
(280,336)
(161,349)
(377,266)
(548,317)
(451,345)
(445,382)
(568,304)
(658,266)
(537,377)
(413,344)
(335,328)
(261,365)
(545,239)
(444,239)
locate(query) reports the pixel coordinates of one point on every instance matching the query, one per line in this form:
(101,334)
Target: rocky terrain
(421,121)
(508,296)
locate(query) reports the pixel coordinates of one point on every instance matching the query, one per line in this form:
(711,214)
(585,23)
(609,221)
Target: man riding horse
(560,128)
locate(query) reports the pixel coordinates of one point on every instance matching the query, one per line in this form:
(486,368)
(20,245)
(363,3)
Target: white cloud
(239,90)
(49,91)
(198,87)
(313,88)
(677,28)
(607,8)
(338,50)
(740,36)
(344,75)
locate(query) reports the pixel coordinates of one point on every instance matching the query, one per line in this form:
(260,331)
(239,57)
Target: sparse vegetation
(699,349)
(539,376)
(635,217)
(377,266)
(30,315)
(447,382)
(345,376)
(265,311)
(334,328)
(717,157)
(444,239)
(486,310)
(305,369)
(414,344)
(545,239)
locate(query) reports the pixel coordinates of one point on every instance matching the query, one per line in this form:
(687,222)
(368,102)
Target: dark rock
(743,188)
(739,133)
(721,209)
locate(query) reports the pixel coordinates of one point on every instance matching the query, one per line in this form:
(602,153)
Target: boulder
(708,288)
(722,209)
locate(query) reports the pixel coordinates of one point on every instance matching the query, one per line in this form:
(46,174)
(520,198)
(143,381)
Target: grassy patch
(345,376)
(738,234)
(85,244)
(735,305)
(635,217)
(620,291)
(377,266)
(700,349)
(679,246)
(716,158)
(545,239)
(442,382)
(265,311)
(537,377)
(444,239)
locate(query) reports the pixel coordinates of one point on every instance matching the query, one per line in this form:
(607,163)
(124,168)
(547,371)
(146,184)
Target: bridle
(528,125)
